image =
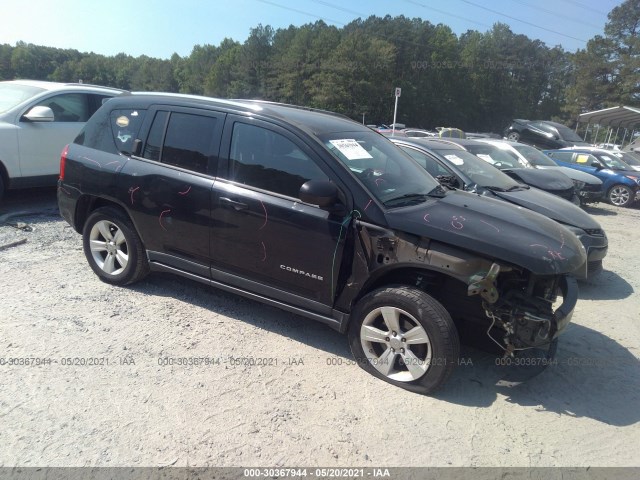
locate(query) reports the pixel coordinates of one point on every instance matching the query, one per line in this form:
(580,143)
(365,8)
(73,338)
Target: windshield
(535,156)
(494,155)
(12,94)
(478,171)
(387,172)
(567,134)
(628,158)
(613,162)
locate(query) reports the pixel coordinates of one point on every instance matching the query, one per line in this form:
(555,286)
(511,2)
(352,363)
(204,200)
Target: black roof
(457,141)
(313,121)
(428,142)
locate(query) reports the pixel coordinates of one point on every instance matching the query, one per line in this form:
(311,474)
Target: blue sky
(161,27)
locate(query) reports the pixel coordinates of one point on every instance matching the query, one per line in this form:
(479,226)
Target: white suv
(37,119)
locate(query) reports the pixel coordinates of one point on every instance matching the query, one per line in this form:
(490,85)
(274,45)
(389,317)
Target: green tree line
(477,81)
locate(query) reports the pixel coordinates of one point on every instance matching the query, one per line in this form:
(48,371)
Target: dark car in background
(620,181)
(588,187)
(458,168)
(542,134)
(553,182)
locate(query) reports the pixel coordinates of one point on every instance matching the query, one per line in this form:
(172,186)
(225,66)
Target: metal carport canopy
(625,117)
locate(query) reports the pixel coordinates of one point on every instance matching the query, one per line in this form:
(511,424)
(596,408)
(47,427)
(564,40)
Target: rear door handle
(237,206)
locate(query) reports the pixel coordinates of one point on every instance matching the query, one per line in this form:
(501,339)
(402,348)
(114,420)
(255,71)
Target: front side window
(429,164)
(479,171)
(69,107)
(265,159)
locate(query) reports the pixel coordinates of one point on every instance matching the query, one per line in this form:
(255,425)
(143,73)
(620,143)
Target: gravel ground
(308,404)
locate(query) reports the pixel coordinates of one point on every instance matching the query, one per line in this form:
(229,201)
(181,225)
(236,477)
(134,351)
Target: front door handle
(237,206)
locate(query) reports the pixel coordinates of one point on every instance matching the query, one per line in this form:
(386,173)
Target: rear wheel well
(87,204)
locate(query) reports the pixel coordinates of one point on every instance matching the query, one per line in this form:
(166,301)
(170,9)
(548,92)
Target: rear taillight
(63,161)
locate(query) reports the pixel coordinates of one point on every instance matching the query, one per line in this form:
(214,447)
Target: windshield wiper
(408,197)
(495,189)
(518,187)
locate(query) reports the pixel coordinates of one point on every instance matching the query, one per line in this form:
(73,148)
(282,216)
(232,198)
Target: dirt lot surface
(307,404)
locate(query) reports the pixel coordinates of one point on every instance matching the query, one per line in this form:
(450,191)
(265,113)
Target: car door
(40,143)
(168,185)
(263,237)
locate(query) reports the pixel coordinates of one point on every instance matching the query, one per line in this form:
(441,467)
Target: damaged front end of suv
(522,307)
(502,272)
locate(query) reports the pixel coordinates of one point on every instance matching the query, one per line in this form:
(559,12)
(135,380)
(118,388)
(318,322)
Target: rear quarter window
(125,125)
(112,132)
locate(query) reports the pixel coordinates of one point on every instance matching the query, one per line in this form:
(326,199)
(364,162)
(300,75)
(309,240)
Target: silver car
(37,119)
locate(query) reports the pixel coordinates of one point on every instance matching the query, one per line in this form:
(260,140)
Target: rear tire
(113,248)
(405,337)
(620,196)
(513,137)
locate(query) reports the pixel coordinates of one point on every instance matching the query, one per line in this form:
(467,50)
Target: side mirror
(597,165)
(39,114)
(319,192)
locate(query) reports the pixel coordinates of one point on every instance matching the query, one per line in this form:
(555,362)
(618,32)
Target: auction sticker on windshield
(350,149)
(456,160)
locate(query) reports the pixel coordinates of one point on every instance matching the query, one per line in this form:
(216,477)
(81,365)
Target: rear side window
(562,156)
(182,139)
(585,159)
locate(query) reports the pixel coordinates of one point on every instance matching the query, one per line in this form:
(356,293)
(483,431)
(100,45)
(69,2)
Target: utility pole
(395,111)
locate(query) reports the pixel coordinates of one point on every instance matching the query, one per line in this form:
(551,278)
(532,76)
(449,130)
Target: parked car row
(455,165)
(617,170)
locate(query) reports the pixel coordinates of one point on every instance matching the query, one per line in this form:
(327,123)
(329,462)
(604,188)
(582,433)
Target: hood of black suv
(495,229)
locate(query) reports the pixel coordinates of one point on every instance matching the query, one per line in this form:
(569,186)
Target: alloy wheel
(396,344)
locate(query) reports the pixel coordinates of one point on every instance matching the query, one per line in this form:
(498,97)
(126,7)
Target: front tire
(620,196)
(113,248)
(405,337)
